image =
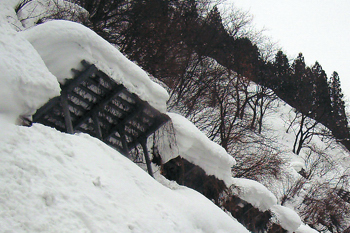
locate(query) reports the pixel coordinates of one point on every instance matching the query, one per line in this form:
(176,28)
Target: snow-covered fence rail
(94,103)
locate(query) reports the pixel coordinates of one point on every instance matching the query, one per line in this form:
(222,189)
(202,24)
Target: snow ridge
(64,44)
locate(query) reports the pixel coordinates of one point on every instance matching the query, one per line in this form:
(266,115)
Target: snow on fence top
(286,217)
(260,197)
(194,146)
(63,45)
(254,193)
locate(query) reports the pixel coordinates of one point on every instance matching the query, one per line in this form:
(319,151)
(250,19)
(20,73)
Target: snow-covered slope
(52,182)
(55,182)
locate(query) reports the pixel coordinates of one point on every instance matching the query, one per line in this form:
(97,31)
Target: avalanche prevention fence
(95,104)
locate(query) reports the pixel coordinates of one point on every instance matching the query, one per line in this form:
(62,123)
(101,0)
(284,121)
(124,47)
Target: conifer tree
(337,103)
(298,73)
(281,72)
(321,92)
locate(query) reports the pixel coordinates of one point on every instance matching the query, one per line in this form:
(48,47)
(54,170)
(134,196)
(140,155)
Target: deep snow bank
(63,44)
(55,182)
(23,72)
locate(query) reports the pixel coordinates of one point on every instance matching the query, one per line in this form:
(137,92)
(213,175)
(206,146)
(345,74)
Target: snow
(194,146)
(286,217)
(56,182)
(10,3)
(297,165)
(8,15)
(254,193)
(63,44)
(23,73)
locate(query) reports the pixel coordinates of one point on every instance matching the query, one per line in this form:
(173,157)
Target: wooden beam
(117,109)
(115,146)
(105,81)
(143,143)
(121,132)
(47,107)
(157,123)
(132,127)
(87,127)
(106,78)
(99,106)
(76,106)
(80,98)
(92,81)
(97,125)
(89,92)
(85,63)
(58,116)
(67,117)
(132,96)
(72,83)
(121,124)
(123,101)
(111,115)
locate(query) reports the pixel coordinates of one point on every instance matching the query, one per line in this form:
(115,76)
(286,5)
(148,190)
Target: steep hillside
(55,182)
(233,128)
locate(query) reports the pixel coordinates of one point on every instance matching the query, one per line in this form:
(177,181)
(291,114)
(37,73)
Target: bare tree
(320,192)
(35,12)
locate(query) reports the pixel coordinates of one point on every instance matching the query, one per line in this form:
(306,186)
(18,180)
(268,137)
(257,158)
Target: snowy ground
(55,182)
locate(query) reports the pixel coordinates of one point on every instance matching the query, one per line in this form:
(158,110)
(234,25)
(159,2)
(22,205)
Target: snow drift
(54,182)
(23,73)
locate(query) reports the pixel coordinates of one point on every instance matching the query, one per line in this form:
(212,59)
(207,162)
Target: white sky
(320,29)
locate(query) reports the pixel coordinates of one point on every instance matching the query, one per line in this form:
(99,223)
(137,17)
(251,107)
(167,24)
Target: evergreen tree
(307,92)
(281,72)
(298,80)
(337,103)
(321,91)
